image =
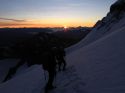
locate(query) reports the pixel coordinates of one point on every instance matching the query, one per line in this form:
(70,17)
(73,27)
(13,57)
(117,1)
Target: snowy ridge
(33,81)
(113,21)
(25,83)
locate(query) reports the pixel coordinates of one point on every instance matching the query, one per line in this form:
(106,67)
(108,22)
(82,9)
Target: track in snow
(68,81)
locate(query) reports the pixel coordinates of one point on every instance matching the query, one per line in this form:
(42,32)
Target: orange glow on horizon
(41,25)
(47,23)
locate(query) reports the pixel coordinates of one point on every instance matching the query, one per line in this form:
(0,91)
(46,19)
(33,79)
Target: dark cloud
(15,20)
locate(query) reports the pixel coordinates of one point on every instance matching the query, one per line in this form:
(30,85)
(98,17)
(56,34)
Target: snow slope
(101,65)
(114,20)
(96,68)
(32,80)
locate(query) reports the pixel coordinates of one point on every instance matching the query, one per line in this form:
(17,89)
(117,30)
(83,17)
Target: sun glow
(65,27)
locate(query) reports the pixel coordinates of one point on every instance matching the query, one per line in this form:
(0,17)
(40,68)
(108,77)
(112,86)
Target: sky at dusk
(52,13)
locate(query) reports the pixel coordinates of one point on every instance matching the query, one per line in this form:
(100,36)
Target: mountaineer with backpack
(36,52)
(60,54)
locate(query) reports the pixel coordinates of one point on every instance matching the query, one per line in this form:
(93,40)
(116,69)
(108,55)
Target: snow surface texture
(32,80)
(101,65)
